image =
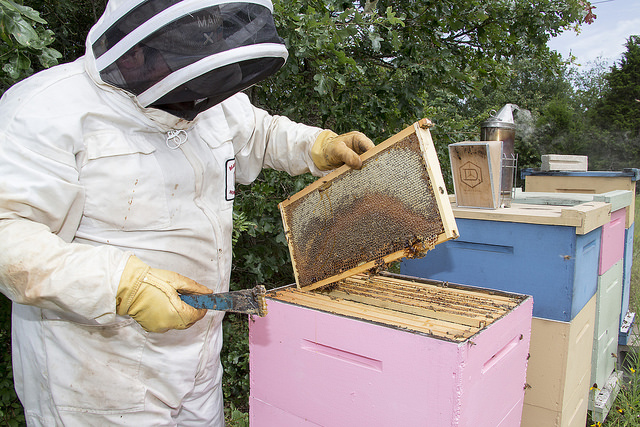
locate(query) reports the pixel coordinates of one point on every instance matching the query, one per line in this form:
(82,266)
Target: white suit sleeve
(262,141)
(40,208)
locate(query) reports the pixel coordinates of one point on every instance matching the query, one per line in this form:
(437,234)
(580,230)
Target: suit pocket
(124,184)
(95,368)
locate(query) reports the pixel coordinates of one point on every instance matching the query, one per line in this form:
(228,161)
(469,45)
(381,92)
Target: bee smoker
(501,127)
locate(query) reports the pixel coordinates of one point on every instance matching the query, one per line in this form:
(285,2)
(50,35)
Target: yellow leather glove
(150,296)
(331,150)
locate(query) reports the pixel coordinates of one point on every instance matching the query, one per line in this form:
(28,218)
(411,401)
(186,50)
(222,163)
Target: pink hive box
(612,242)
(347,357)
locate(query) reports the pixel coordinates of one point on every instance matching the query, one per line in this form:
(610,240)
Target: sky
(615,21)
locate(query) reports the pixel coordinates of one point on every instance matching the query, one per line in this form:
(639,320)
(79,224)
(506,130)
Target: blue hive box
(527,249)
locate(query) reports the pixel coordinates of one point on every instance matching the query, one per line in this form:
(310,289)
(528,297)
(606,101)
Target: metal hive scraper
(247,301)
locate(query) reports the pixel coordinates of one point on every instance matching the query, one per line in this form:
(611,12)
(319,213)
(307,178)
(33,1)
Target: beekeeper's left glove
(331,150)
(150,296)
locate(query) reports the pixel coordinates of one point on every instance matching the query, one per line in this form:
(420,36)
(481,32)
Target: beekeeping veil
(185,56)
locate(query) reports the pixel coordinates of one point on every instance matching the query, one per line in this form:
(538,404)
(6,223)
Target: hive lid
(351,221)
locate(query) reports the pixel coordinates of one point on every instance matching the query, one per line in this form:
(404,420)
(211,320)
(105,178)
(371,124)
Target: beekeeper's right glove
(151,297)
(331,150)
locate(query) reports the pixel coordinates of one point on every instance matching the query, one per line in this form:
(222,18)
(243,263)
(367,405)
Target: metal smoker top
(501,119)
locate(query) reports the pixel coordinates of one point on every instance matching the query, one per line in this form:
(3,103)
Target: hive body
(319,359)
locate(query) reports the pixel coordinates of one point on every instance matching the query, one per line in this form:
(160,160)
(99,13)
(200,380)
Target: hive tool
(248,301)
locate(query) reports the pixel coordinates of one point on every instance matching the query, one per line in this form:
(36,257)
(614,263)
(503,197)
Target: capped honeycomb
(354,220)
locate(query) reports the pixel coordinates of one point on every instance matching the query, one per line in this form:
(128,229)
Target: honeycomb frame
(351,221)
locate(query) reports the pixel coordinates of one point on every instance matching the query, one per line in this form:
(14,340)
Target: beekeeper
(116,191)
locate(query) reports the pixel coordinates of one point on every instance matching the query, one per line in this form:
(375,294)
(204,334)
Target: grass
(626,408)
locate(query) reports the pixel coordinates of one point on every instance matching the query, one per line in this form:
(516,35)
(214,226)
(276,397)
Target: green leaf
(11,68)
(26,11)
(322,85)
(392,18)
(375,41)
(23,32)
(49,57)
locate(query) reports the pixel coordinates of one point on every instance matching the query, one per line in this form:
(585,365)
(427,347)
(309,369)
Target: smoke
(525,123)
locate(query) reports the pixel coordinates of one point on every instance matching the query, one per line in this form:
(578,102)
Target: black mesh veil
(187,56)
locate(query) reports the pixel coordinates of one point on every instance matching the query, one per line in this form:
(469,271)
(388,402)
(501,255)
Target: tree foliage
(593,112)
(375,66)
(25,39)
(70,21)
(615,114)
(378,66)
(619,105)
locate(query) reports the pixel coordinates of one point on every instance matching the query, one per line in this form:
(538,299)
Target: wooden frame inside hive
(439,309)
(351,221)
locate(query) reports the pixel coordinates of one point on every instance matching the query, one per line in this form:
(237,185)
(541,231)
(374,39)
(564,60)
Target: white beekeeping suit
(125,160)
